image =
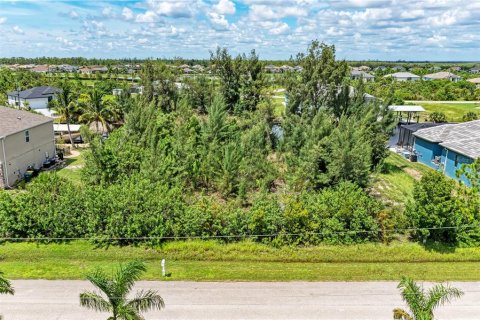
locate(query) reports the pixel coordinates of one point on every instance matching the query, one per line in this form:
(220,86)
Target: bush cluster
(53,207)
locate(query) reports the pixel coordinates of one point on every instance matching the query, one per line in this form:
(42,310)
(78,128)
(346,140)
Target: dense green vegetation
(210,158)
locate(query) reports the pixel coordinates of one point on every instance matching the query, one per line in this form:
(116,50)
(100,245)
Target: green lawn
(246,261)
(454,111)
(72,171)
(395,183)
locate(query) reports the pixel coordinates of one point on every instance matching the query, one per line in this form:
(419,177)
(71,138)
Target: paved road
(41,299)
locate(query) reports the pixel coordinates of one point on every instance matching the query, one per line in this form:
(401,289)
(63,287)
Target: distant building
(26,141)
(448,146)
(93,69)
(36,98)
(403,76)
(475,70)
(475,81)
(357,74)
(40,68)
(442,76)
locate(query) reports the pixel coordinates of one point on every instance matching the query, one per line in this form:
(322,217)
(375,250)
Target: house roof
(35,92)
(406,108)
(362,74)
(62,127)
(441,75)
(468,147)
(463,138)
(402,75)
(14,120)
(474,80)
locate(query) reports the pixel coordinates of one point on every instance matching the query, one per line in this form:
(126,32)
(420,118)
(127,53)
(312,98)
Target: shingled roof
(35,92)
(14,120)
(463,138)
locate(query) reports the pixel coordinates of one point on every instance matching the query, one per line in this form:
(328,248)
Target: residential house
(36,98)
(26,141)
(40,68)
(364,68)
(456,69)
(93,69)
(442,76)
(475,81)
(398,68)
(272,69)
(475,70)
(403,76)
(447,147)
(357,74)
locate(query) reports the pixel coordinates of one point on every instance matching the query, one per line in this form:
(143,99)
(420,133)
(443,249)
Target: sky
(415,30)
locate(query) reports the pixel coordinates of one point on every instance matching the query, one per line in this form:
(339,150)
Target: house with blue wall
(446,147)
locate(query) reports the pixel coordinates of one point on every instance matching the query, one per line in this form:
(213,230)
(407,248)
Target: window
(27,136)
(456,160)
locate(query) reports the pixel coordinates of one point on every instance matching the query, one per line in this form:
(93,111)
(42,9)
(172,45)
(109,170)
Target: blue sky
(277,29)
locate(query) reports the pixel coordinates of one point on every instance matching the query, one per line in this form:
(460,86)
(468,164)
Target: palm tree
(65,105)
(98,110)
(5,287)
(422,303)
(116,290)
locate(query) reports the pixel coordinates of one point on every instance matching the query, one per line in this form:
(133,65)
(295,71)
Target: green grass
(454,111)
(395,184)
(72,171)
(246,261)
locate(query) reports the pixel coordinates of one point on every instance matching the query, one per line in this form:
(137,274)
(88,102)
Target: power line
(100,238)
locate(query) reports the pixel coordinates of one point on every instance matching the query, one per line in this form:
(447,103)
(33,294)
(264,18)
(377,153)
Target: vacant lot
(453,110)
(246,261)
(394,185)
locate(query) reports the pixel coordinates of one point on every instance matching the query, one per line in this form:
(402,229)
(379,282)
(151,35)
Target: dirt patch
(413,173)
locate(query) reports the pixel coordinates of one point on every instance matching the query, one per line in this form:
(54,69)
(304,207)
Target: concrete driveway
(41,299)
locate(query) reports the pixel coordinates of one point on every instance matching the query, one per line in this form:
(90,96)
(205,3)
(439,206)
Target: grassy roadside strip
(247,261)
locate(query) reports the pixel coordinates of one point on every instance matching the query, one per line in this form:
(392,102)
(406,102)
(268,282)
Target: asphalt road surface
(42,299)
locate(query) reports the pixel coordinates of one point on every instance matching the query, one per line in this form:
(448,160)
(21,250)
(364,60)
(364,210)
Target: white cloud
(148,16)
(171,8)
(412,14)
(73,14)
(224,7)
(3,20)
(107,12)
(438,40)
(17,30)
(218,20)
(127,13)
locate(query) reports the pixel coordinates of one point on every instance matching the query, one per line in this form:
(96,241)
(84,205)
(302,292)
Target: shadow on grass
(439,247)
(388,168)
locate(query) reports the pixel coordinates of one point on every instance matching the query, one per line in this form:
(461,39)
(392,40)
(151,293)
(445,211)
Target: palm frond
(413,295)
(147,300)
(126,312)
(400,314)
(127,275)
(100,280)
(440,295)
(94,301)
(5,286)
